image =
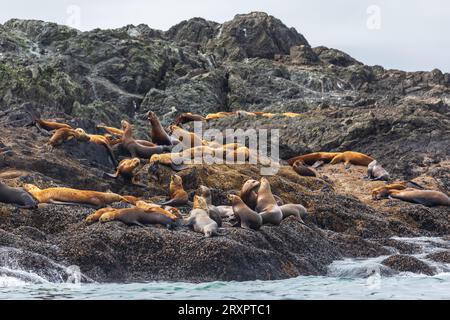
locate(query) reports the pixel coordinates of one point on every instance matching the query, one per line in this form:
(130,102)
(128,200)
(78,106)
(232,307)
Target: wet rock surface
(255,63)
(405,263)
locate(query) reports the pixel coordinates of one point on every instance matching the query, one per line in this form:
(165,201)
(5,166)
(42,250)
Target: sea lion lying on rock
(429,198)
(137,216)
(351,157)
(17,196)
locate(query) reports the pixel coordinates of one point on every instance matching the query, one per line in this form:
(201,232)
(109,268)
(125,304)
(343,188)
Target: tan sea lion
(137,216)
(382,192)
(173,160)
(302,170)
(111,130)
(429,198)
(213,211)
(153,207)
(65,134)
(292,209)
(247,218)
(178,196)
(376,172)
(218,115)
(75,196)
(249,193)
(127,169)
(16,196)
(103,141)
(94,217)
(351,157)
(291,114)
(312,158)
(44,124)
(188,117)
(266,205)
(199,219)
(136,149)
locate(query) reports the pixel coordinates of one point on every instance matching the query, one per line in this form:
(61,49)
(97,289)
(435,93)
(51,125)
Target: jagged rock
(406,263)
(442,256)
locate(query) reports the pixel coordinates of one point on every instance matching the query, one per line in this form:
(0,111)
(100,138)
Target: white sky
(412,35)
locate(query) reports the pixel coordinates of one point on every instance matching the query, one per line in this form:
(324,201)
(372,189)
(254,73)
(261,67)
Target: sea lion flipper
(317,164)
(139,224)
(114,176)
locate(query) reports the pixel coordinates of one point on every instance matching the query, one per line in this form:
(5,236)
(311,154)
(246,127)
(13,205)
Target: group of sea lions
(405,190)
(255,204)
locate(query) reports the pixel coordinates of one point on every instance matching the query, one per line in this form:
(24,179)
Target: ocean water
(346,279)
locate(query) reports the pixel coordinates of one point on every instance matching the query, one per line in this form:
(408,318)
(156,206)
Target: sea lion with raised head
(311,158)
(376,172)
(249,193)
(352,157)
(17,196)
(178,196)
(429,198)
(302,170)
(199,219)
(69,196)
(266,205)
(247,218)
(136,149)
(157,132)
(213,211)
(137,216)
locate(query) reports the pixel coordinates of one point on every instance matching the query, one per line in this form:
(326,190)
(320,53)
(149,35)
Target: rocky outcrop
(406,263)
(254,63)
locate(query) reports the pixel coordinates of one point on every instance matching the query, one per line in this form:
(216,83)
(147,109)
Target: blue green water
(347,279)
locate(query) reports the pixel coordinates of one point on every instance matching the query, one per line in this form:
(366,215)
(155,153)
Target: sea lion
(200,220)
(382,192)
(351,157)
(17,196)
(218,115)
(111,130)
(226,212)
(178,196)
(127,169)
(136,149)
(70,196)
(137,216)
(157,132)
(376,172)
(65,134)
(173,160)
(302,170)
(312,158)
(213,212)
(240,155)
(249,194)
(266,205)
(153,207)
(186,138)
(248,218)
(44,124)
(429,198)
(94,217)
(292,209)
(119,132)
(188,117)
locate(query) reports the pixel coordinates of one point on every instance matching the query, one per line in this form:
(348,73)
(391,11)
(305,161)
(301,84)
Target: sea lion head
(200,203)
(204,191)
(124,124)
(108,216)
(134,163)
(31,188)
(380,193)
(249,185)
(151,115)
(231,197)
(176,179)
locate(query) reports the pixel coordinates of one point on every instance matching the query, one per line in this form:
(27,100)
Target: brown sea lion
(266,205)
(249,193)
(247,218)
(157,132)
(137,216)
(429,198)
(311,158)
(17,196)
(94,217)
(44,124)
(188,117)
(127,170)
(302,170)
(376,172)
(199,219)
(75,196)
(213,211)
(136,149)
(178,196)
(351,157)
(65,134)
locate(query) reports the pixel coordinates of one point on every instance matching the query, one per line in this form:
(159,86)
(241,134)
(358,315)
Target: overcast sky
(409,35)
